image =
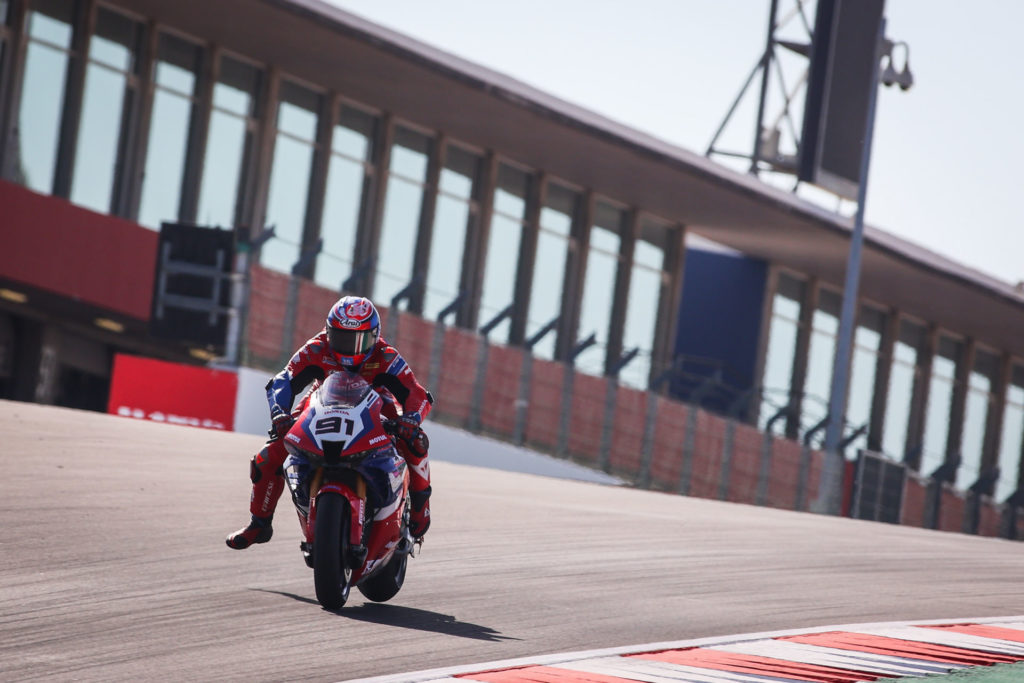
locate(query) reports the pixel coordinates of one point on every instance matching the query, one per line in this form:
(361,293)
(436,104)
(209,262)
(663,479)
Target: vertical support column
(523,398)
(689,446)
(994,420)
(620,298)
(474,260)
(919,402)
(527,258)
(74,92)
(257,178)
(436,353)
(955,436)
(605,451)
(800,360)
(198,134)
(130,190)
(315,198)
(479,382)
(12,69)
(763,335)
(765,471)
(368,240)
(575,271)
(428,210)
(45,391)
(669,301)
(647,445)
(883,374)
(565,415)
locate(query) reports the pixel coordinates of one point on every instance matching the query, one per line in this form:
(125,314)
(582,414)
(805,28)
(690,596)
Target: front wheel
(383,585)
(331,577)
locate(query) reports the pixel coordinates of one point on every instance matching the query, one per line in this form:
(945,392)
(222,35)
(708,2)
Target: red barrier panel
(669,432)
(784,477)
(628,431)
(587,416)
(265,325)
(990,520)
(746,464)
(501,388)
(145,388)
(454,393)
(951,510)
(52,244)
(414,341)
(314,303)
(914,493)
(706,468)
(544,409)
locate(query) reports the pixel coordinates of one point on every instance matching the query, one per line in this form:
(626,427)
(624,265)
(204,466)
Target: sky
(947,165)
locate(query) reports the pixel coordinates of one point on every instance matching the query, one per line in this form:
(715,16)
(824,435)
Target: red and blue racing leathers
(386,370)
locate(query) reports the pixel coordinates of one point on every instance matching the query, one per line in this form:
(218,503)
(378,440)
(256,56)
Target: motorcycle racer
(350,340)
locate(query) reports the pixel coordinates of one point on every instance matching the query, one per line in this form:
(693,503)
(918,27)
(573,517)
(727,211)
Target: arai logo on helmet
(356,313)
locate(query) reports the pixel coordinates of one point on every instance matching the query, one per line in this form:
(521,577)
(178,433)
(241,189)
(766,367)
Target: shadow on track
(422,620)
(408,617)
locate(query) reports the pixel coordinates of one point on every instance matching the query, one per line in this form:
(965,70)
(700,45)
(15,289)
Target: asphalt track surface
(113,567)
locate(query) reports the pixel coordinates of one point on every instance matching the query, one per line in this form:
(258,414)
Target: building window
(902,377)
(233,125)
(1011,445)
(941,390)
(174,99)
(979,401)
(298,114)
(602,268)
(108,100)
(47,59)
(348,177)
(783,332)
(646,284)
(820,359)
(403,205)
(456,210)
(867,342)
(503,246)
(553,241)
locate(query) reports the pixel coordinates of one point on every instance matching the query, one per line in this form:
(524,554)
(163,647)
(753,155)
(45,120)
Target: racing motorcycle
(350,488)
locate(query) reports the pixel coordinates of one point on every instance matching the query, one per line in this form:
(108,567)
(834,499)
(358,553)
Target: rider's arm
(300,372)
(398,378)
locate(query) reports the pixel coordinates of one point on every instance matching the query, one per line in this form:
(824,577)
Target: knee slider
(255,473)
(419,445)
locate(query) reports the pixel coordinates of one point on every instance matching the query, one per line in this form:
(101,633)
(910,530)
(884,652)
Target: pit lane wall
(643,438)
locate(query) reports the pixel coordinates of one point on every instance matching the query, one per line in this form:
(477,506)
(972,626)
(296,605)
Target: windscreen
(344,389)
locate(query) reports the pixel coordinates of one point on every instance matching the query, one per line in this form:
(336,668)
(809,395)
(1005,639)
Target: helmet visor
(350,342)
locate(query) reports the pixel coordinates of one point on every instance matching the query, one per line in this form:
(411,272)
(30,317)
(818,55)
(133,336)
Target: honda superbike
(350,488)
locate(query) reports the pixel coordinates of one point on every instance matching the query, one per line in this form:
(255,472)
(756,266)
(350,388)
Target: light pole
(830,489)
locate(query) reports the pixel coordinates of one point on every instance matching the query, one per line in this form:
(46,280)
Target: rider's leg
(415,453)
(267,477)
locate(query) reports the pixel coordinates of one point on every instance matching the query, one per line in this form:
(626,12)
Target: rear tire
(383,586)
(331,577)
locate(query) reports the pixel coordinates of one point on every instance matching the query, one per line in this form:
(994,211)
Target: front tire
(331,576)
(384,585)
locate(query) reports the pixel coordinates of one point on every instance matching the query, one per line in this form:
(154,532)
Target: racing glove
(280,423)
(405,427)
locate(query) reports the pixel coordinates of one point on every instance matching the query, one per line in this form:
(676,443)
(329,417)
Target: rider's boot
(258,531)
(267,486)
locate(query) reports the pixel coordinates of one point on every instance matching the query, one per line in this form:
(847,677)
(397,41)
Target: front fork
(357,518)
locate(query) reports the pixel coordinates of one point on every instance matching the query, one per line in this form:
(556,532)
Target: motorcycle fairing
(353,427)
